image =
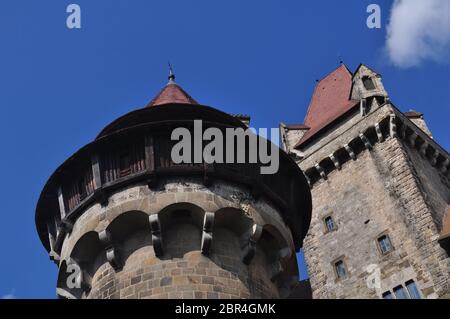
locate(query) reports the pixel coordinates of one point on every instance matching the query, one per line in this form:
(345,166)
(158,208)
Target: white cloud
(419,30)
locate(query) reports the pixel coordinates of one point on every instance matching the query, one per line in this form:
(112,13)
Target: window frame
(324,220)
(403,289)
(417,290)
(334,264)
(378,243)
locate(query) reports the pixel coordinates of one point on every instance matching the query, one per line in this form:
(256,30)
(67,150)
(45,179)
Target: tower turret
(121,219)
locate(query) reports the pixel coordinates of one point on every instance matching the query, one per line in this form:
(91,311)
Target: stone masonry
(374,172)
(183,271)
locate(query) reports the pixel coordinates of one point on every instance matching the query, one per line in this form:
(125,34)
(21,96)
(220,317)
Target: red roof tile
(172,93)
(330,100)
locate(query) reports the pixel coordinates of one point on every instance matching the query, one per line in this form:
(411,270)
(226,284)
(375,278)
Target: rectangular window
(400,293)
(385,244)
(368,83)
(341,271)
(412,289)
(329,224)
(387,295)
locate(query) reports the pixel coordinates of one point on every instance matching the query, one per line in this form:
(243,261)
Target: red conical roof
(172,93)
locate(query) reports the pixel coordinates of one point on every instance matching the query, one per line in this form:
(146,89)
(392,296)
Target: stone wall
(378,193)
(129,265)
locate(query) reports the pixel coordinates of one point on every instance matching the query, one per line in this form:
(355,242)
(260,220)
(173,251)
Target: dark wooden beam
(96,173)
(149,153)
(62,208)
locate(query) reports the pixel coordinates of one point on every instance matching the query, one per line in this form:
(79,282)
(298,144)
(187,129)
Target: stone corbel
(54,256)
(321,171)
(250,238)
(207,236)
(444,166)
(111,253)
(434,158)
(379,133)
(281,258)
(64,294)
(424,149)
(403,130)
(66,225)
(412,139)
(335,161)
(350,151)
(366,141)
(155,227)
(308,180)
(392,126)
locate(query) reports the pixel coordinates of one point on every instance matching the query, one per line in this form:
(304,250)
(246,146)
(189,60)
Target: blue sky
(59,87)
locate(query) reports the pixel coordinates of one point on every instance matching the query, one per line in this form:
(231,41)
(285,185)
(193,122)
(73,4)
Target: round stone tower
(122,220)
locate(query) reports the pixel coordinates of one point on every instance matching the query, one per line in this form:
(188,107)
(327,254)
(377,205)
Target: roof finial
(171,75)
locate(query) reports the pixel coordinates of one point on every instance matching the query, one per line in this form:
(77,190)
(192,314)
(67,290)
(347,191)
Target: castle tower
(381,192)
(122,220)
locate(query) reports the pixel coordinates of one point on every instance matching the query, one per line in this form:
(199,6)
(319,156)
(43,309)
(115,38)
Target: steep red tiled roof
(172,93)
(330,100)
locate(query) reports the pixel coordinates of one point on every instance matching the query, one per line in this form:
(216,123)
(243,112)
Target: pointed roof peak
(331,99)
(171,75)
(172,93)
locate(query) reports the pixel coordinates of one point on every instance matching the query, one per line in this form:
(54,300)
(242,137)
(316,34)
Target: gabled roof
(172,93)
(330,100)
